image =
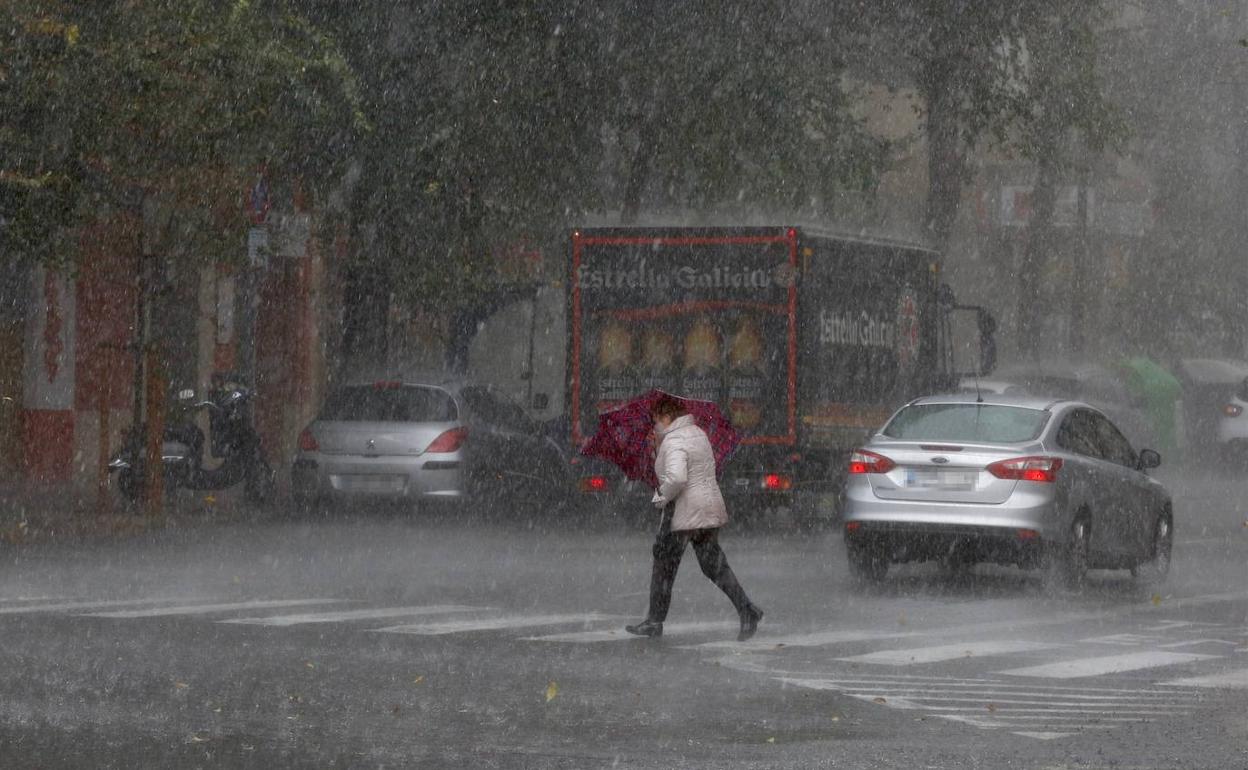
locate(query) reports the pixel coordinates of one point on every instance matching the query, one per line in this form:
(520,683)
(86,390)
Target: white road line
(207,609)
(493,624)
(999,693)
(1110,664)
(1230,680)
(1108,706)
(620,635)
(917,697)
(1044,710)
(376,613)
(996,685)
(72,606)
(816,639)
(824,638)
(938,653)
(1097,724)
(1042,735)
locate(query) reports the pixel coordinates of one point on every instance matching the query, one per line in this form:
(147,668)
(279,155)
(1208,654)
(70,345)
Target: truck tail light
(864,461)
(1232,410)
(1043,469)
(595,484)
(307,441)
(776,482)
(450,441)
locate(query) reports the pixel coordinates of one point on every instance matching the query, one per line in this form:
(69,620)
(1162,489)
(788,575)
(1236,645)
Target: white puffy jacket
(685,466)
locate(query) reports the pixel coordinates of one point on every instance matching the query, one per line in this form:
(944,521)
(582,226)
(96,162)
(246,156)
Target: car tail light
(776,482)
(862,461)
(1028,534)
(1042,469)
(1232,410)
(595,484)
(450,441)
(852,527)
(307,441)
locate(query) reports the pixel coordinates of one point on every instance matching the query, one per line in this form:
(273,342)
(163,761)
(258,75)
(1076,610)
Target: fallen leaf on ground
(771,739)
(181,685)
(1156,600)
(552,690)
(879,699)
(418,680)
(992,707)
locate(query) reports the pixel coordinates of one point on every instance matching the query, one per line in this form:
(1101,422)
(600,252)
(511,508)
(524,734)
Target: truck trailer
(807,338)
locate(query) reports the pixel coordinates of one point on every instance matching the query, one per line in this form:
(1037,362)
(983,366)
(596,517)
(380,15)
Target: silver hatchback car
(1006,479)
(456,443)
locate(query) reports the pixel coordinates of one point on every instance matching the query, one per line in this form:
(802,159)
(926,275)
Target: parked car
(1215,396)
(463,444)
(1232,430)
(1022,480)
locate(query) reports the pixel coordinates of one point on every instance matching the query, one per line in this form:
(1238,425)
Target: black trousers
(669,547)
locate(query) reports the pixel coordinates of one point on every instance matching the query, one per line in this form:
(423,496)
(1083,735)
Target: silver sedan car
(1006,479)
(418,442)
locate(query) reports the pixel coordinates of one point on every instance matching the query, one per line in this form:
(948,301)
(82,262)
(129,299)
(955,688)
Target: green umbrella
(1159,392)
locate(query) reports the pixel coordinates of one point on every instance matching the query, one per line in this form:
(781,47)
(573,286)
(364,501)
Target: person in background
(693,511)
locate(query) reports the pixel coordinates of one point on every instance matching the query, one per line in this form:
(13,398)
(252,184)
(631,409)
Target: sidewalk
(37,513)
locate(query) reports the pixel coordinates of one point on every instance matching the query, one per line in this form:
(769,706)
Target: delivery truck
(808,339)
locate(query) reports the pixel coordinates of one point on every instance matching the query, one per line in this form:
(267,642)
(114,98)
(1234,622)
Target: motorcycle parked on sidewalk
(233,439)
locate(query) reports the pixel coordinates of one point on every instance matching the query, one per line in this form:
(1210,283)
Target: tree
(162,112)
(717,108)
(1062,105)
(498,120)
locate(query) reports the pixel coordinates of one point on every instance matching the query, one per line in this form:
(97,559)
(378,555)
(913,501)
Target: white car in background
(1232,431)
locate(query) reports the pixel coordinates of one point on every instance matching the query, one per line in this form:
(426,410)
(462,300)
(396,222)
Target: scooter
(234,439)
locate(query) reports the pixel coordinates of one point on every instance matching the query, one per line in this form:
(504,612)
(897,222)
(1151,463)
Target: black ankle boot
(749,622)
(646,627)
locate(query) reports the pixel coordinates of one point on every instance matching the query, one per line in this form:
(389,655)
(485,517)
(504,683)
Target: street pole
(1082,272)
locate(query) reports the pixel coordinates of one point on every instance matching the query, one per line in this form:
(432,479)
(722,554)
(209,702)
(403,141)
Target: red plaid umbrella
(624,435)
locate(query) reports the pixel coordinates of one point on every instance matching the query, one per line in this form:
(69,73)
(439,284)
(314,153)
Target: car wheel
(129,484)
(1067,565)
(1157,567)
(867,563)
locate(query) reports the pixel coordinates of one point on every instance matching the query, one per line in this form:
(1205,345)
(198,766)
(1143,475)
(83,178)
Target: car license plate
(940,479)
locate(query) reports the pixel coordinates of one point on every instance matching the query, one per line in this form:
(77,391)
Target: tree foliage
(108,105)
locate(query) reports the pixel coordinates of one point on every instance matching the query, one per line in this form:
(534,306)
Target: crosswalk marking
(78,605)
(995,684)
(349,615)
(1230,680)
(493,624)
(205,609)
(943,652)
(815,639)
(998,692)
(1108,664)
(619,634)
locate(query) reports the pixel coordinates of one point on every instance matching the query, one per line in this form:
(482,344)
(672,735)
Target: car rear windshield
(389,404)
(987,423)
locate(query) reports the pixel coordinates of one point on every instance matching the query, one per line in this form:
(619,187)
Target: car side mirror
(1149,459)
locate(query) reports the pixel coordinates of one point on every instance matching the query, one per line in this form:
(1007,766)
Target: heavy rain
(368,369)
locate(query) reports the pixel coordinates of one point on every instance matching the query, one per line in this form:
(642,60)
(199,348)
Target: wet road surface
(391,639)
